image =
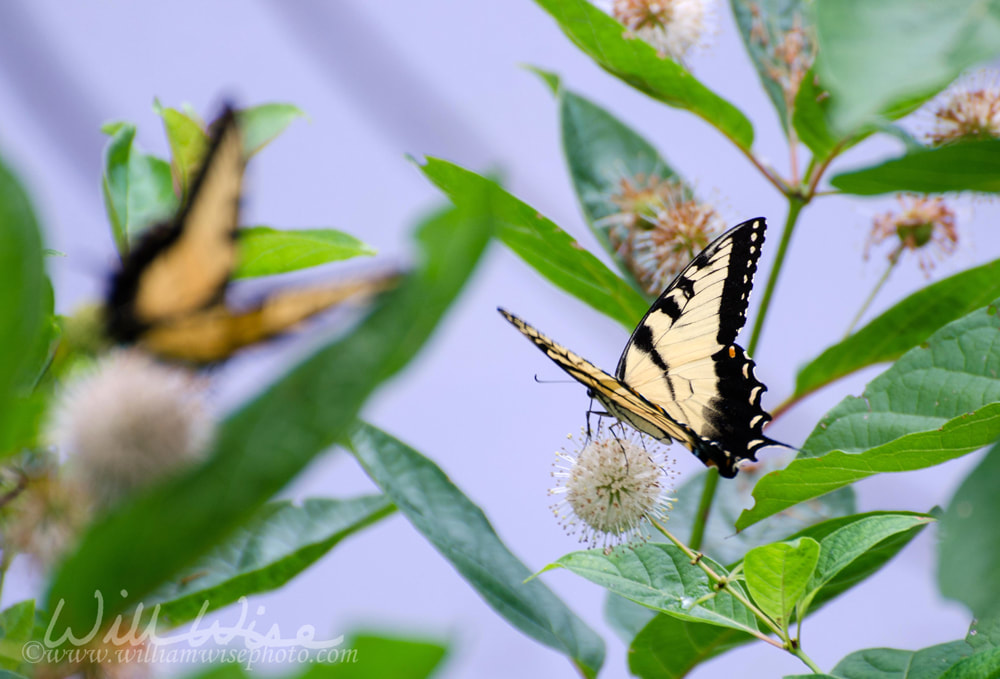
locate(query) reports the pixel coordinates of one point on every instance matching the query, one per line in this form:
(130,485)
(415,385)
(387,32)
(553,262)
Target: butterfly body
(681,376)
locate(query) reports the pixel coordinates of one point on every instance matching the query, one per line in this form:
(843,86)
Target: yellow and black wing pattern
(168,297)
(681,375)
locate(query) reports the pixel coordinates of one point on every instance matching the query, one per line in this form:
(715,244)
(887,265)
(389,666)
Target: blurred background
(380,80)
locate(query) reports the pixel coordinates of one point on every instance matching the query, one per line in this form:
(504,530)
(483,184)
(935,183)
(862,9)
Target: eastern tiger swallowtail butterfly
(682,376)
(169,295)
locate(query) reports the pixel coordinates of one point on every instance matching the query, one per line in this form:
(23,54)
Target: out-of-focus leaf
(660,576)
(16,626)
(138,188)
(602,154)
(376,656)
(966,166)
(606,42)
(938,402)
(262,124)
(464,536)
(969,548)
(904,326)
(777,574)
(869,69)
(260,447)
(24,297)
(543,245)
(811,118)
(766,26)
(278,543)
(265,251)
(188,144)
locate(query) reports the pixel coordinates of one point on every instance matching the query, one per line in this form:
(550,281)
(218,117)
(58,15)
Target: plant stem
(795,205)
(704,507)
(801,655)
(893,260)
(722,582)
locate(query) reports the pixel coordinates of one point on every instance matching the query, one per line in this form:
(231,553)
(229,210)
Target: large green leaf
(876,56)
(279,542)
(904,326)
(660,576)
(543,245)
(777,575)
(893,663)
(969,549)
(601,153)
(669,647)
(266,442)
(967,166)
(16,626)
(811,117)
(265,251)
(24,296)
(939,401)
(605,41)
(464,536)
(138,188)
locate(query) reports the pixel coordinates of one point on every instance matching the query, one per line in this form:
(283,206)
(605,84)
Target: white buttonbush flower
(611,487)
(129,422)
(924,225)
(969,109)
(672,27)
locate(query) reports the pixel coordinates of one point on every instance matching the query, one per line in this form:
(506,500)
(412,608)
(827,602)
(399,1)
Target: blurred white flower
(926,225)
(611,487)
(672,27)
(45,518)
(128,422)
(968,109)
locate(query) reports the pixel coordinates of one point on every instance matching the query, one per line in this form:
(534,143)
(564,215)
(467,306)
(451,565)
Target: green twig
(801,655)
(704,507)
(795,205)
(893,260)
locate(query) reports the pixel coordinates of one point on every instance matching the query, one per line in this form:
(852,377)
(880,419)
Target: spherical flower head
(610,488)
(128,422)
(45,518)
(672,27)
(659,228)
(786,55)
(923,224)
(969,109)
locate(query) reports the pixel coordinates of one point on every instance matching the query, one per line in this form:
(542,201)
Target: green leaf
(777,574)
(811,117)
(543,245)
(550,79)
(464,536)
(606,42)
(904,326)
(984,665)
(265,443)
(660,576)
(938,402)
(188,144)
(966,166)
(969,548)
(984,633)
(764,25)
(669,648)
(260,125)
(892,663)
(869,69)
(138,188)
(660,650)
(25,295)
(601,153)
(279,542)
(16,626)
(265,251)
(379,657)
